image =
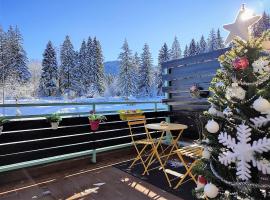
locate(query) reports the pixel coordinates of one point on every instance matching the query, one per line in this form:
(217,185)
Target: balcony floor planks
(71,181)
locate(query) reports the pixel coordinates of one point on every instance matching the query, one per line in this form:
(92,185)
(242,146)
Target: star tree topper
(240,28)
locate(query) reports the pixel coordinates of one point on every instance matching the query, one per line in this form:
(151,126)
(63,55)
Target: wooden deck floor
(79,180)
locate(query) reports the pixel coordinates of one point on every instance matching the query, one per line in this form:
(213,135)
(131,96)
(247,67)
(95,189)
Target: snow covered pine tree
(145,76)
(236,152)
(175,50)
(163,56)
(69,82)
(49,76)
(127,81)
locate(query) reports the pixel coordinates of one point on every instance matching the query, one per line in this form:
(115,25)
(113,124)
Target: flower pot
(94,125)
(1,129)
(54,125)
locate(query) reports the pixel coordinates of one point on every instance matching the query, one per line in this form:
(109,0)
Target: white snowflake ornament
(260,121)
(260,66)
(242,152)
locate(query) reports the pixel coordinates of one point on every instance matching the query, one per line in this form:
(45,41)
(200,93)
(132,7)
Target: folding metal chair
(193,152)
(140,145)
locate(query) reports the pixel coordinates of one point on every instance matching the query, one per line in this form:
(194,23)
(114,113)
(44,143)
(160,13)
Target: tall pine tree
(212,41)
(136,63)
(219,40)
(186,51)
(163,56)
(15,59)
(68,62)
(98,67)
(145,72)
(126,81)
(176,49)
(203,45)
(90,87)
(82,62)
(198,48)
(2,56)
(262,25)
(49,76)
(192,48)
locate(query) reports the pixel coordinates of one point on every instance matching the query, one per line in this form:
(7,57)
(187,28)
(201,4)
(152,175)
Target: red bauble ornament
(202,180)
(240,63)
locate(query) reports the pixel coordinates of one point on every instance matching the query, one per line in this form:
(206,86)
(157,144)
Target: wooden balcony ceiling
(79,180)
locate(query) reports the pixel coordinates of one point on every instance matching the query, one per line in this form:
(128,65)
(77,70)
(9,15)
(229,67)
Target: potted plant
(94,120)
(3,120)
(128,113)
(54,119)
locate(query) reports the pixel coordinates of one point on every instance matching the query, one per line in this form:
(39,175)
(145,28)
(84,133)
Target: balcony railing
(29,142)
(34,110)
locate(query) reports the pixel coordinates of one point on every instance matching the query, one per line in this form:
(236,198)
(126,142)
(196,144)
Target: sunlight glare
(247,14)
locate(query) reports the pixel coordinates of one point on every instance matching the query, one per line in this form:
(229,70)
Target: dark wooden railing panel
(205,57)
(17,145)
(181,75)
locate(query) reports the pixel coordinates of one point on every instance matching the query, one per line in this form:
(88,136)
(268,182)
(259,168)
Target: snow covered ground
(41,110)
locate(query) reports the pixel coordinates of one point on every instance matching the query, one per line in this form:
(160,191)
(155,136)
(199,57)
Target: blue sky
(140,21)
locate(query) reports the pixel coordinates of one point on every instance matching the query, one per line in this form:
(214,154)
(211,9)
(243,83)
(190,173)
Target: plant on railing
(95,119)
(197,91)
(3,120)
(127,113)
(54,119)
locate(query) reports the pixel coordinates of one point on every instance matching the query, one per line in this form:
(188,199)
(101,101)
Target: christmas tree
(236,155)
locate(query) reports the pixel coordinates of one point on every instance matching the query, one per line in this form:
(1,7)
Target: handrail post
(155,109)
(94,107)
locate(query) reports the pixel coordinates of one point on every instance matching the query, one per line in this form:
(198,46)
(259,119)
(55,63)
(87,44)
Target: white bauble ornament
(261,105)
(235,91)
(212,126)
(206,154)
(210,190)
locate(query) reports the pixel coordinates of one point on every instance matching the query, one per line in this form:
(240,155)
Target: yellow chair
(193,152)
(140,145)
